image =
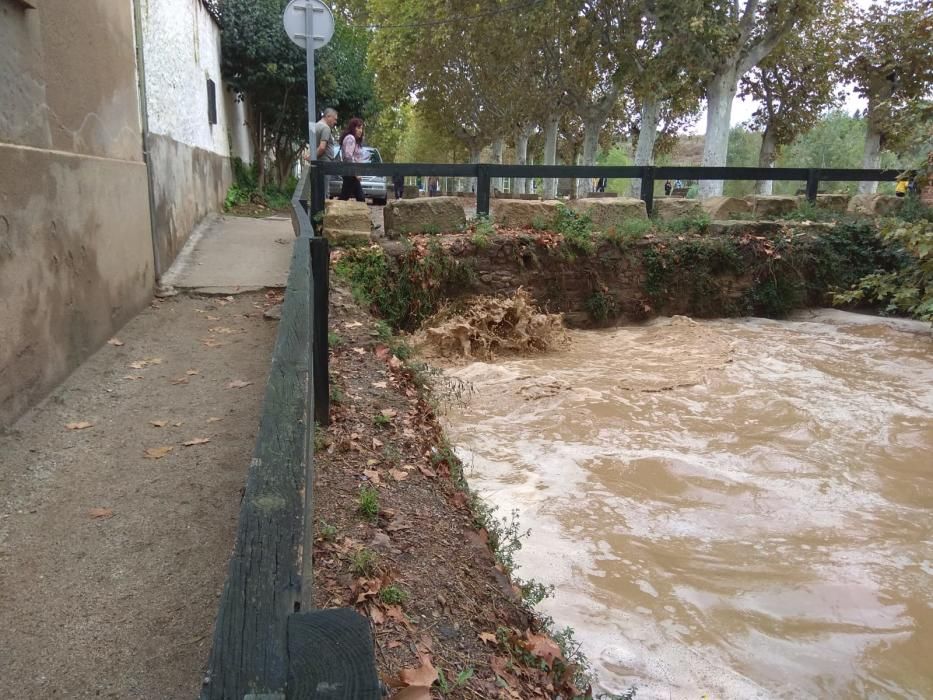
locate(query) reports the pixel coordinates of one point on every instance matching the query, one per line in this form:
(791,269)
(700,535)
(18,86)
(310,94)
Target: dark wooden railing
(484,173)
(268,642)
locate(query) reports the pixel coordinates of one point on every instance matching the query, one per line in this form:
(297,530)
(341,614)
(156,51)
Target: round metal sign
(296,23)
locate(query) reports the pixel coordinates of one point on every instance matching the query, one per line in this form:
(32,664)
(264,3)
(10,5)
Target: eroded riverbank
(737,507)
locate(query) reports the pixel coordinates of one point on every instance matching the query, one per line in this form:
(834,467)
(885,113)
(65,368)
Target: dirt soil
(115,536)
(446,617)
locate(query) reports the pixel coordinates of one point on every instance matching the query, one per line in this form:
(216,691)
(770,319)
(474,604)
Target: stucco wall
(181,49)
(75,248)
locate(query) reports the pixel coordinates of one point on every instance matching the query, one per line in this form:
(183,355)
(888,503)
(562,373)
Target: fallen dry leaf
(158,423)
(132,377)
(192,372)
(413,692)
(389,412)
(488,637)
(238,384)
(178,424)
(211,343)
(427,471)
(115,342)
(213,419)
(196,441)
(382,352)
(395,363)
(100,513)
(80,425)
(352,324)
(157,452)
(180,380)
(543,647)
(213,318)
(398,474)
(377,616)
(425,675)
(380,385)
(372,475)
(394,644)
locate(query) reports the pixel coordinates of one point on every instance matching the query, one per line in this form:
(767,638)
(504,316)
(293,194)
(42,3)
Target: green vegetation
(369,503)
(907,289)
(576,228)
(601,305)
(393,595)
(336,393)
(246,190)
(447,687)
(334,339)
(483,231)
(539,223)
(381,420)
(405,291)
(696,223)
(328,531)
(363,562)
(320,437)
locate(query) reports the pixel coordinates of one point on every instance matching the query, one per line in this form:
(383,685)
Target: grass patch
(695,223)
(363,562)
(328,531)
(576,228)
(368,505)
(393,595)
(334,340)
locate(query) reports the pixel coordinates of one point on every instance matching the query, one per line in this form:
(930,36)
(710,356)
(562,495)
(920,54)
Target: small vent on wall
(211,102)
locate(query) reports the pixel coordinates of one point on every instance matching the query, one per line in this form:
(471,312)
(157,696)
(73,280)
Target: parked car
(374,186)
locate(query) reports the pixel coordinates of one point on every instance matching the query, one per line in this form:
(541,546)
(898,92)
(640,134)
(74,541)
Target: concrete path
(231,254)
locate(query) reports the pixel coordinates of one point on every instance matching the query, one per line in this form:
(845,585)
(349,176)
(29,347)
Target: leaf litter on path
(80,425)
(157,452)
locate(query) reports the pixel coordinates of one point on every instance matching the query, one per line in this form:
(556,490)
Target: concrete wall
(190,157)
(75,247)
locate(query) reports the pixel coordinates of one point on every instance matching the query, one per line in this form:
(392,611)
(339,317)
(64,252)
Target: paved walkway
(230,253)
(119,493)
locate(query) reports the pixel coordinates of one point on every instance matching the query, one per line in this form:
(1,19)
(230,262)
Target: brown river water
(730,509)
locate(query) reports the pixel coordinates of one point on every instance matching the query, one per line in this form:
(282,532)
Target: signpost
(304,19)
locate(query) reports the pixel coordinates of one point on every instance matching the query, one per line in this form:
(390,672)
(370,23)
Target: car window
(372,155)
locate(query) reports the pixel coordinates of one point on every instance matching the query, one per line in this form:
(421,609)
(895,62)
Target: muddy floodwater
(737,508)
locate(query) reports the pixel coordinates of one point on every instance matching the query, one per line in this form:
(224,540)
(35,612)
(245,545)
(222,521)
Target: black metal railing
(268,641)
(647,174)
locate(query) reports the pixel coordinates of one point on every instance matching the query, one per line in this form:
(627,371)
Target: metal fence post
(320,271)
(647,187)
(318,195)
(813,184)
(482,191)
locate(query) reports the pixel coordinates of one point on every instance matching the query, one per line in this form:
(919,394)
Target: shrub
(577,229)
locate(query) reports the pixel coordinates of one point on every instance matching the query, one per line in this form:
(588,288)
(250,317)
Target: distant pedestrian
(398,184)
(601,184)
(678,184)
(434,187)
(667,188)
(900,190)
(351,151)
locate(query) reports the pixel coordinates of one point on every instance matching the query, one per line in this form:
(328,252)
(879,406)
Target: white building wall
(181,43)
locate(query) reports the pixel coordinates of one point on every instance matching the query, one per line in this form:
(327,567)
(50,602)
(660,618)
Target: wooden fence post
(482,191)
(647,187)
(813,184)
(320,284)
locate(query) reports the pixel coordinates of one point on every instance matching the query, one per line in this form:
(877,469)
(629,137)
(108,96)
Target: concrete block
(347,222)
(833,202)
(608,213)
(520,213)
(668,208)
(722,208)
(875,204)
(423,215)
(771,206)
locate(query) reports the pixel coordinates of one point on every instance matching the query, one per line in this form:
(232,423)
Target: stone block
(519,213)
(609,213)
(423,215)
(668,208)
(833,202)
(601,195)
(723,208)
(771,206)
(735,228)
(875,204)
(347,222)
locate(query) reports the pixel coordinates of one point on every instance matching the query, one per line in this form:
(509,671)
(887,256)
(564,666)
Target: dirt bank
(398,537)
(114,537)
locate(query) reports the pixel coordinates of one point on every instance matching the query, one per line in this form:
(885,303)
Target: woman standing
(351,151)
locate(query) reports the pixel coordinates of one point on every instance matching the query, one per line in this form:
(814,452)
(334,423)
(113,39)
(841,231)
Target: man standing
(326,147)
(324,135)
